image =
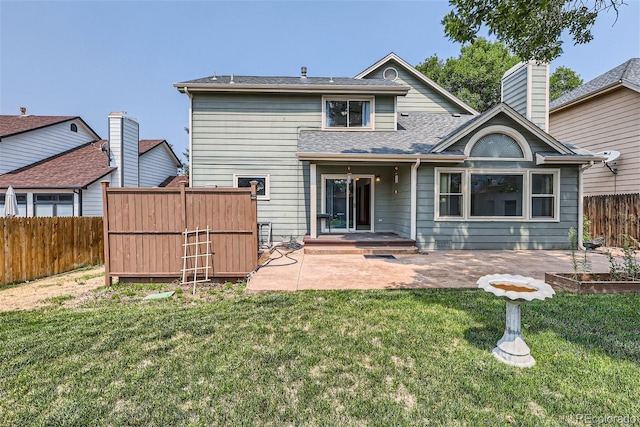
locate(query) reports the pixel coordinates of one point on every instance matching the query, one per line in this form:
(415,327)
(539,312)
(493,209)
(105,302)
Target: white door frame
(351,207)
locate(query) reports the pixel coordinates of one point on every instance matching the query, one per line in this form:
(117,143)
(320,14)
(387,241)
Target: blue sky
(89,58)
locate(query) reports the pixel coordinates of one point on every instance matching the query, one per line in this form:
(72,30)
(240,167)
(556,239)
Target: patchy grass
(316,358)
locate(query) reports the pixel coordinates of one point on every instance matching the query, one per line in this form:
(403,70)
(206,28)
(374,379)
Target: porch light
(377,178)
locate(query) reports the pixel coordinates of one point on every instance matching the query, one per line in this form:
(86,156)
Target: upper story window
(74,127)
(498,143)
(340,113)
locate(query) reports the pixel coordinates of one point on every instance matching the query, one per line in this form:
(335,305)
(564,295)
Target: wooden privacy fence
(613,216)
(143,230)
(39,247)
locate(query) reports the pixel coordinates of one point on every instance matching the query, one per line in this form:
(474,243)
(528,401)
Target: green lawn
(318,358)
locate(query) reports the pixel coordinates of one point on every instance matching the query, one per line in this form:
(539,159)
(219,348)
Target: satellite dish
(611,155)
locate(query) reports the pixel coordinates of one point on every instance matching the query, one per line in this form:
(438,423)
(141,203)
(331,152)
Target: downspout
(581,203)
(186,90)
(414,198)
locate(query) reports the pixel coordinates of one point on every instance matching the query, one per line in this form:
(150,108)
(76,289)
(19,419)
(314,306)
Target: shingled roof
(72,169)
(627,74)
(13,125)
(417,133)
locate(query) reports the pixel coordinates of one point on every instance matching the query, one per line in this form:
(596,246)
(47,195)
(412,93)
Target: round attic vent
(390,74)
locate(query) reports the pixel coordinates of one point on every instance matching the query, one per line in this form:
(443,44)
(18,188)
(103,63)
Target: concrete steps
(364,250)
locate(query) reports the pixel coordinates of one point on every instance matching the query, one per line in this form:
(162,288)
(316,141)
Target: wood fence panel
(613,217)
(40,247)
(144,227)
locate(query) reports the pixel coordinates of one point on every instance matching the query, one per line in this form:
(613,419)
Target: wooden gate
(143,230)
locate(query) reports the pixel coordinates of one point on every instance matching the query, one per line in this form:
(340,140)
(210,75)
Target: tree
(530,29)
(474,76)
(563,80)
(185,165)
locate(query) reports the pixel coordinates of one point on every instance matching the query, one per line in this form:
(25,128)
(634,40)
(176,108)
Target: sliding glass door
(347,201)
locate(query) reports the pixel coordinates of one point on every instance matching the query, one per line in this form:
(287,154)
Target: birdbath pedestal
(515,290)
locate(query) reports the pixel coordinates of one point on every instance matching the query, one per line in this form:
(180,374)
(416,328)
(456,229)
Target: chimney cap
(303,72)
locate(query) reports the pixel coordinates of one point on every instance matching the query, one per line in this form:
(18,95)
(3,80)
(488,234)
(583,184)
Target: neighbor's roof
(417,134)
(174,181)
(627,75)
(75,168)
(292,84)
(146,145)
(14,125)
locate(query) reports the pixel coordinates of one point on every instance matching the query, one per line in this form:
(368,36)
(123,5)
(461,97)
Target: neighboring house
(56,163)
(604,115)
(386,151)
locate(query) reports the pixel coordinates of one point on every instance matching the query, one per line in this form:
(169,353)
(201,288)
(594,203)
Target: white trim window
(53,205)
(243,180)
(451,202)
(347,113)
(497,194)
(498,143)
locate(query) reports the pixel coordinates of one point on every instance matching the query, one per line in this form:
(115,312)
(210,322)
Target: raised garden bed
(590,283)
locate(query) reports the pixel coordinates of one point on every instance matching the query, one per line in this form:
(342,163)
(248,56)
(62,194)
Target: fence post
(105,227)
(183,200)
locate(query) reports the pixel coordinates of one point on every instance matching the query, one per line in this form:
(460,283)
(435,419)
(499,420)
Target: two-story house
(55,163)
(388,151)
(603,115)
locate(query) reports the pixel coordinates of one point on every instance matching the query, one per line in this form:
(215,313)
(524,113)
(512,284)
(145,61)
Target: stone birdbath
(515,290)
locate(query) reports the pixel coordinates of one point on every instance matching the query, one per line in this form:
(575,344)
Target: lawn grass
(419,357)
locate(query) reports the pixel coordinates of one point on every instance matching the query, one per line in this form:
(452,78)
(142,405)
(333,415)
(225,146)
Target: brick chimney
(525,88)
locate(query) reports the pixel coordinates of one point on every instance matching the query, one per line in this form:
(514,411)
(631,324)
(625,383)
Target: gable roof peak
(419,76)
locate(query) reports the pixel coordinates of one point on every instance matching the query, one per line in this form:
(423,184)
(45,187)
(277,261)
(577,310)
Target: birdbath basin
(516,290)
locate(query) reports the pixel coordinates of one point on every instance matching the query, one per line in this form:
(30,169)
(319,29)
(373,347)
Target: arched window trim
(73,127)
(517,137)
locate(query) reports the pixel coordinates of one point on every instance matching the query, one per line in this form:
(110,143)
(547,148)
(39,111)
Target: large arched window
(498,143)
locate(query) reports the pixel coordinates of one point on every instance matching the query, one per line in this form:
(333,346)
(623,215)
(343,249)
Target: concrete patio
(435,269)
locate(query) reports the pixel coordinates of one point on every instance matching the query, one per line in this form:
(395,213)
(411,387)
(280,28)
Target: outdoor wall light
(377,178)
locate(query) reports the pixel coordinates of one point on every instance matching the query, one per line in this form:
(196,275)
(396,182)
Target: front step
(364,250)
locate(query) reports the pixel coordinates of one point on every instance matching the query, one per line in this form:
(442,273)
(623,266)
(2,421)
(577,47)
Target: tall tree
(563,80)
(474,76)
(531,29)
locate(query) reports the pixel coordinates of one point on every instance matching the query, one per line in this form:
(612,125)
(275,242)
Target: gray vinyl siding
(156,165)
(385,115)
(514,91)
(391,213)
(529,80)
(606,122)
(92,197)
(539,96)
(495,234)
(30,147)
(421,96)
(250,134)
(131,153)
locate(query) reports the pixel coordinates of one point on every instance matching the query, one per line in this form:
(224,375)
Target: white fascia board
(372,90)
(410,158)
(442,91)
(541,159)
